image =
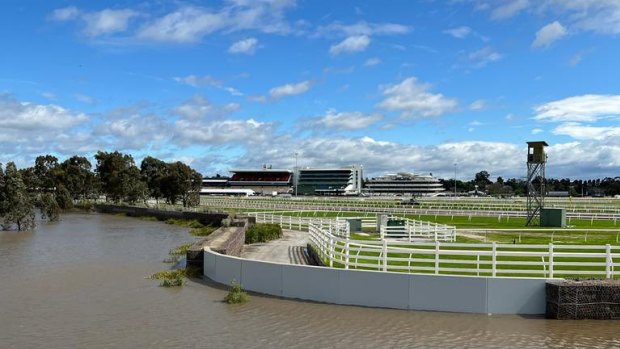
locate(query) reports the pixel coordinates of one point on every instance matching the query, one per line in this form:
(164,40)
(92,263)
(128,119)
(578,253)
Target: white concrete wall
(381,289)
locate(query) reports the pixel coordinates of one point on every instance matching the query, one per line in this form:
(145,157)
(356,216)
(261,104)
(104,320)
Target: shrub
(236,295)
(263,232)
(180,250)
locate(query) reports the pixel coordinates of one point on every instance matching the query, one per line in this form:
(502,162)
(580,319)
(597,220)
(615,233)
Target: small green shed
(553,217)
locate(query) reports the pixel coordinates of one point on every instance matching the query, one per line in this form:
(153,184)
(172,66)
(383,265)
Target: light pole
(296,174)
(455,180)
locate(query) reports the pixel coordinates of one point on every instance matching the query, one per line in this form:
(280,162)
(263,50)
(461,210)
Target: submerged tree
(18,207)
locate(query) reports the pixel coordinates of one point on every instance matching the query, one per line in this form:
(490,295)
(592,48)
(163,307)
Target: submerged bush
(174,278)
(181,249)
(263,232)
(236,295)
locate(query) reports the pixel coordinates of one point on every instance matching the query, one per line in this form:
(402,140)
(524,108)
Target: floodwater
(79,283)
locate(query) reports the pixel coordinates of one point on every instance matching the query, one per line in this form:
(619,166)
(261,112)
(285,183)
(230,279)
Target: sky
(423,86)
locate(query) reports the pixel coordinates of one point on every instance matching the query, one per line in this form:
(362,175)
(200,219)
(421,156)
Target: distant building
(558,194)
(404,184)
(330,181)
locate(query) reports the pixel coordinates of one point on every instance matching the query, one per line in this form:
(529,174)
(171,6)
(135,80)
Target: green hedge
(263,232)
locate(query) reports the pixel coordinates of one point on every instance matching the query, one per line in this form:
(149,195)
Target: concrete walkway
(289,249)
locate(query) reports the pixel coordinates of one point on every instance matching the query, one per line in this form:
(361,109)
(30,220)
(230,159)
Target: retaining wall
(206,218)
(380,289)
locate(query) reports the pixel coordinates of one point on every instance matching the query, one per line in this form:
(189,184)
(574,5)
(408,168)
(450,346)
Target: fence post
(436,257)
(494,260)
(331,252)
(550,260)
(608,261)
(385,255)
(346,253)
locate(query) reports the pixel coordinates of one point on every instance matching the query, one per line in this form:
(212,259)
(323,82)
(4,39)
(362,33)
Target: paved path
(289,249)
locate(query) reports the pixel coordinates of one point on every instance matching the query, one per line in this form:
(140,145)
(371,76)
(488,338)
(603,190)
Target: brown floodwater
(79,283)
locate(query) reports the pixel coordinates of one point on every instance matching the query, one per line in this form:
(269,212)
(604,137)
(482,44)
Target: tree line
(52,186)
(607,186)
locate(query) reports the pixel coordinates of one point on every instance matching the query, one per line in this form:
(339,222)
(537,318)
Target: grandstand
(404,184)
(330,181)
(266,181)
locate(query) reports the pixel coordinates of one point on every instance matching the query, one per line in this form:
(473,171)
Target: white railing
(413,230)
(493,259)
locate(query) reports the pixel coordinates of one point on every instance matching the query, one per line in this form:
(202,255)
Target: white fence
(466,259)
(412,230)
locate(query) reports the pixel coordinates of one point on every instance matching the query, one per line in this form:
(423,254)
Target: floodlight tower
(536,161)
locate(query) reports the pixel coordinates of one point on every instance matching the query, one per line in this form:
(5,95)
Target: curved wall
(380,289)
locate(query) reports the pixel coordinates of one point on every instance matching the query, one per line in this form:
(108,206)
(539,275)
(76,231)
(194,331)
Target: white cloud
(586,132)
(290,89)
(85,99)
(414,100)
(478,105)
(198,81)
(96,23)
(362,28)
(190,24)
(459,32)
(342,120)
(484,56)
(107,21)
(207,80)
(351,44)
(548,34)
(509,8)
(586,108)
(187,24)
(65,14)
(245,46)
(537,131)
(372,62)
(198,107)
(237,132)
(32,117)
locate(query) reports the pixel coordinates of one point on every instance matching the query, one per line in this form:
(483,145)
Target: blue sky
(395,86)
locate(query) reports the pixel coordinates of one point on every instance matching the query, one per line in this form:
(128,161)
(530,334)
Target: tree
(181,183)
(77,177)
(18,208)
(49,207)
(46,171)
(119,176)
(153,172)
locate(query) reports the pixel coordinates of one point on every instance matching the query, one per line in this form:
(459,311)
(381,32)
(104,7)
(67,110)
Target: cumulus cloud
(342,121)
(245,46)
(413,99)
(207,80)
(586,132)
(351,44)
(191,23)
(459,32)
(290,89)
(65,14)
(96,23)
(478,105)
(107,21)
(484,56)
(509,8)
(18,115)
(237,132)
(372,62)
(548,34)
(362,28)
(198,107)
(586,108)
